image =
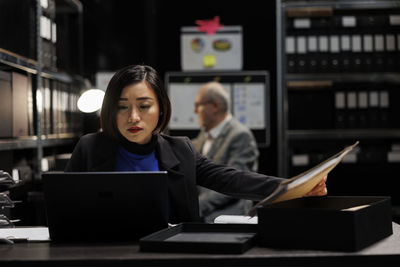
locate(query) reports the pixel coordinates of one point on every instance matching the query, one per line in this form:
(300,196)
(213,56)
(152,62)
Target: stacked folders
(58,106)
(368,107)
(335,40)
(343,105)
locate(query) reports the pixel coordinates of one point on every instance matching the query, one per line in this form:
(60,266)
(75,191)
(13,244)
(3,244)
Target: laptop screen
(105,206)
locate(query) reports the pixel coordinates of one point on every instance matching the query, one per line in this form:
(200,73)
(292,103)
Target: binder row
(48,33)
(363,109)
(337,43)
(345,106)
(323,18)
(326,54)
(59,114)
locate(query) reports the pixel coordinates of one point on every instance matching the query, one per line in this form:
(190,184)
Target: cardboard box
(15,89)
(344,223)
(219,51)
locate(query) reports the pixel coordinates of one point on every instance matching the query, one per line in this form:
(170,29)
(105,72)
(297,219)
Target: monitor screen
(249,94)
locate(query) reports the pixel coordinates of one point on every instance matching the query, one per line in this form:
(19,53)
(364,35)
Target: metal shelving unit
(31,68)
(309,10)
(298,135)
(31,142)
(14,61)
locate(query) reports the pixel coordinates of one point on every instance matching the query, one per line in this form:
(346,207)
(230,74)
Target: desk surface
(383,253)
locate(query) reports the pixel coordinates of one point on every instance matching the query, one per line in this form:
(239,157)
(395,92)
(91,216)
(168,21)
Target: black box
(201,238)
(344,223)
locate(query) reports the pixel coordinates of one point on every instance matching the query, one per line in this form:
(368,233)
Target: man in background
(224,140)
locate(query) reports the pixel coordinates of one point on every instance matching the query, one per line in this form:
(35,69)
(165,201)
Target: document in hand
(300,185)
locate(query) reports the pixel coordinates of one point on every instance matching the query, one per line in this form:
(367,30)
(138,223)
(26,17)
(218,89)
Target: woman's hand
(320,189)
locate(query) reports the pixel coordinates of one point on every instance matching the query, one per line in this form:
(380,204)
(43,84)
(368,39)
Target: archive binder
(15,89)
(330,42)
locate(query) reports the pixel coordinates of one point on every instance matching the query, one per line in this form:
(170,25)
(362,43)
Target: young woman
(136,109)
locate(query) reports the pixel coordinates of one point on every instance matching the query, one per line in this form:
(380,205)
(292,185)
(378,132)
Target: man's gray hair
(217,92)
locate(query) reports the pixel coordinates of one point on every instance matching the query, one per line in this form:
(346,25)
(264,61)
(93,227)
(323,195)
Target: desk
(383,253)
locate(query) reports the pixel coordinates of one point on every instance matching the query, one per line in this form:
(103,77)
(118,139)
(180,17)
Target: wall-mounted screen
(249,94)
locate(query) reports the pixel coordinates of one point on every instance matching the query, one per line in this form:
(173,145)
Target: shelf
(334,134)
(29,65)
(346,77)
(63,77)
(344,4)
(16,61)
(32,142)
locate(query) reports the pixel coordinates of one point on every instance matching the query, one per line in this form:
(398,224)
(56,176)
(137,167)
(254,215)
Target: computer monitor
(249,94)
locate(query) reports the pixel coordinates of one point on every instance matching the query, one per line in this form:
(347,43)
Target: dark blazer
(185,166)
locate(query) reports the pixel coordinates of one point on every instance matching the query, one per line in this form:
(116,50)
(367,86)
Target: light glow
(91,100)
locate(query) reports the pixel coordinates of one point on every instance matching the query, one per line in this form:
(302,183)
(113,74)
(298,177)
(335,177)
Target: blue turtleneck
(128,161)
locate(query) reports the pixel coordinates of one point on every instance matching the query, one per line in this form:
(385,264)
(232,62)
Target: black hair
(127,76)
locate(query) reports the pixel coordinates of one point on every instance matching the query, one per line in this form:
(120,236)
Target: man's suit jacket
(234,147)
(185,166)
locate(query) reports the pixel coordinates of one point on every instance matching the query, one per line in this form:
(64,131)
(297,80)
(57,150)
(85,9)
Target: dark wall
(119,33)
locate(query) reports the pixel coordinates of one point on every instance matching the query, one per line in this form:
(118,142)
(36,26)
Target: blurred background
(327,73)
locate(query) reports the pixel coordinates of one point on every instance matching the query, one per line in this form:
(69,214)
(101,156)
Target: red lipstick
(135,129)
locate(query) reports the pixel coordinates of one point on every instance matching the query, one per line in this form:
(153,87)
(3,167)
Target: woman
(136,109)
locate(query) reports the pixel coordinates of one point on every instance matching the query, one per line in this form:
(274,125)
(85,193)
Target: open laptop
(105,206)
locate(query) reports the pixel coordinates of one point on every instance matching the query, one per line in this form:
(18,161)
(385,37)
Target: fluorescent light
(91,100)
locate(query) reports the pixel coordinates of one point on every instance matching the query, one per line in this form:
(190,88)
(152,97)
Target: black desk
(384,253)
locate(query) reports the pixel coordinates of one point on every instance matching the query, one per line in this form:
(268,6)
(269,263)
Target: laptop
(105,206)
